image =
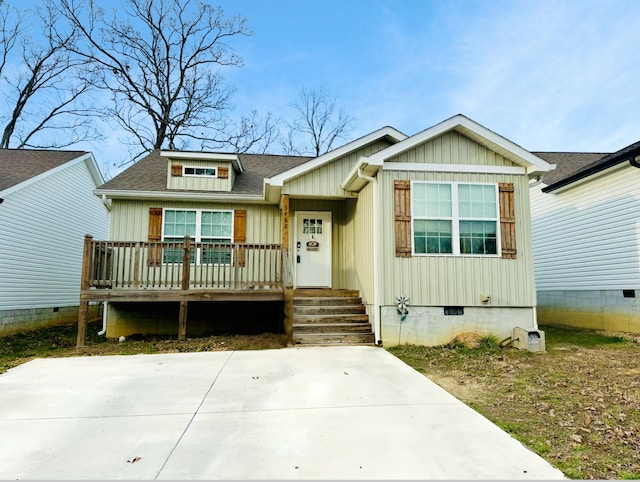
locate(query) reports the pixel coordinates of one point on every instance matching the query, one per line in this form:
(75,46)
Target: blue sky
(548,75)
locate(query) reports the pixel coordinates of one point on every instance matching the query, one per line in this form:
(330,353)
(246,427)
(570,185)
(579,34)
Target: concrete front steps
(330,317)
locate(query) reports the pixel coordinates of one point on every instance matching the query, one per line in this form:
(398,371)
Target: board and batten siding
(325,181)
(458,280)
(130,219)
(588,237)
(452,148)
(42,228)
(197,183)
(360,218)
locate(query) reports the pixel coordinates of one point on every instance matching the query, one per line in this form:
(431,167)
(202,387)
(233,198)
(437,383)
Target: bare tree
(319,122)
(160,63)
(40,86)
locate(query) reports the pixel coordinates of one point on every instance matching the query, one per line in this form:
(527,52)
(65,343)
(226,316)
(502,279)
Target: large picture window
(454,218)
(203,227)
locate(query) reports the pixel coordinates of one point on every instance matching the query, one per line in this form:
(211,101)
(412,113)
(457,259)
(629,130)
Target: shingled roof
(150,173)
(19,165)
(567,163)
(572,166)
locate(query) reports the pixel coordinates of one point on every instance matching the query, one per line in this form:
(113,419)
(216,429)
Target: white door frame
(327,234)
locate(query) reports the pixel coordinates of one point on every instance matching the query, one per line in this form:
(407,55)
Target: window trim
(455,220)
(202,176)
(197,238)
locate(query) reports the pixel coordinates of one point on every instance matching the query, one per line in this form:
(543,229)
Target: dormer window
(199,171)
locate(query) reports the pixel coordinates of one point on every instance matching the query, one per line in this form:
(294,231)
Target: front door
(313,249)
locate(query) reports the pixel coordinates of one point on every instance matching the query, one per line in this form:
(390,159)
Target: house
(46,207)
(440,218)
(586,234)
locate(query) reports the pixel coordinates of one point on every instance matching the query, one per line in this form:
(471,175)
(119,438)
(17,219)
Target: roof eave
(462,124)
(178,195)
(385,132)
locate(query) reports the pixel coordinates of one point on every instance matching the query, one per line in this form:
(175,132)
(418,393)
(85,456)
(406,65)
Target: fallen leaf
(576,438)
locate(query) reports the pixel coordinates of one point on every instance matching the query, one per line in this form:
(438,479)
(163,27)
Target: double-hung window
(215,227)
(454,218)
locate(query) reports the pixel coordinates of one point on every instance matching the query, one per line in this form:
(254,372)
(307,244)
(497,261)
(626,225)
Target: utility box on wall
(532,340)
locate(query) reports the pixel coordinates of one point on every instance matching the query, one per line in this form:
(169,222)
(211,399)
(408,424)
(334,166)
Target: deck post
(182,322)
(186,274)
(84,285)
(284,221)
(286,282)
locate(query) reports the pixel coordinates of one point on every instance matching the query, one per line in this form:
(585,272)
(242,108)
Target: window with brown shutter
(155,236)
(176,170)
(223,173)
(402,213)
(240,234)
(507,220)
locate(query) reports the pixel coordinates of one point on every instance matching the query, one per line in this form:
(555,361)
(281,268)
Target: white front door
(313,249)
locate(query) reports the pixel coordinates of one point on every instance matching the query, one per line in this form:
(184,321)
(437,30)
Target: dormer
(201,171)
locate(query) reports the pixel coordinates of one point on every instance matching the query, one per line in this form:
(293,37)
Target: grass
(60,341)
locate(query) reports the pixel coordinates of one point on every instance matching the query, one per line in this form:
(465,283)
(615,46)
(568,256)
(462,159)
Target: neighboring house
(46,207)
(586,233)
(441,218)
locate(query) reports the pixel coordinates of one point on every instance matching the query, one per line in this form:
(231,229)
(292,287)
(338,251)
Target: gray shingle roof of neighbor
(150,173)
(19,165)
(572,166)
(567,163)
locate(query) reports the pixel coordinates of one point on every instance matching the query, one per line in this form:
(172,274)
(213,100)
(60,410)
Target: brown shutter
(223,172)
(155,236)
(507,220)
(176,170)
(402,211)
(240,234)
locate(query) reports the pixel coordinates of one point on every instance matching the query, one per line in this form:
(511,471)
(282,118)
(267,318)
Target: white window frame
(205,176)
(197,238)
(455,220)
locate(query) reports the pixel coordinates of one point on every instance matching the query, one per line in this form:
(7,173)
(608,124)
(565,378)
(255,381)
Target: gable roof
(148,176)
(474,131)
(386,132)
(20,165)
(597,165)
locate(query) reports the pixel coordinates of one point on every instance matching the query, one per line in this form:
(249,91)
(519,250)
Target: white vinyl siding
(42,228)
(588,237)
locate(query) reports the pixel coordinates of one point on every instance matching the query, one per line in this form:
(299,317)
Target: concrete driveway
(297,413)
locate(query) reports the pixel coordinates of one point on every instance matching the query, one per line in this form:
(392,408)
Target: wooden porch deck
(184,271)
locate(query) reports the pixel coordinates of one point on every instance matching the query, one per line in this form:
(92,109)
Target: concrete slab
(298,413)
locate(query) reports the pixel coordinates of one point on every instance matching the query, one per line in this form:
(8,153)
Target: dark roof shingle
(150,173)
(19,165)
(567,163)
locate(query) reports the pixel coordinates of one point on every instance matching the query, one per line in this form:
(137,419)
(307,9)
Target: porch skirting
(429,326)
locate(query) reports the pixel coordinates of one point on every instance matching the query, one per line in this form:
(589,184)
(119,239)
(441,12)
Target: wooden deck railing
(183,265)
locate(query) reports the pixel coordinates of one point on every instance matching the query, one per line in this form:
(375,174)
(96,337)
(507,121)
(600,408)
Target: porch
(184,271)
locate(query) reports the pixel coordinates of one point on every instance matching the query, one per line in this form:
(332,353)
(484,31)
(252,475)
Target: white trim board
(472,168)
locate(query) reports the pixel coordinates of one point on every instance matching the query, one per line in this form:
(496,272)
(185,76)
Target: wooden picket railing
(182,265)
